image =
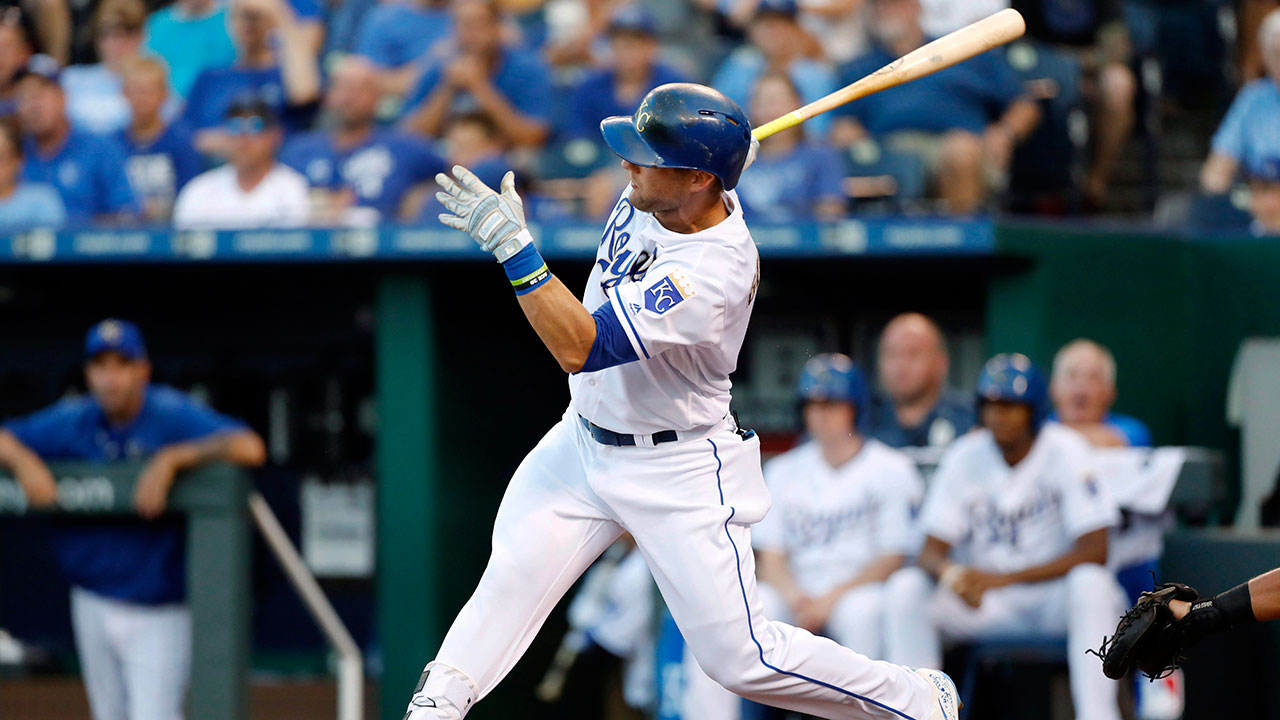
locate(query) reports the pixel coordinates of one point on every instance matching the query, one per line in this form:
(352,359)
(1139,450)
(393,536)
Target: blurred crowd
(261,113)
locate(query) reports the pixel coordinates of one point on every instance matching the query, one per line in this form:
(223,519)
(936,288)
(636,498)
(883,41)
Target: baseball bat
(974,39)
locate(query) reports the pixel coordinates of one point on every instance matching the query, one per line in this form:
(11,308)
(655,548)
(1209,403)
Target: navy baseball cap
(788,8)
(118,336)
(635,19)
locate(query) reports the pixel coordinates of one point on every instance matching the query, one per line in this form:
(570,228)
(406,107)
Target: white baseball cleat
(946,701)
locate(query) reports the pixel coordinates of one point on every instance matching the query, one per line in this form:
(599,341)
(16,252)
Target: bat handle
(790,120)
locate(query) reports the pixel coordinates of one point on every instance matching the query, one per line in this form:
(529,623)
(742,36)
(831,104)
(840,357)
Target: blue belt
(609,437)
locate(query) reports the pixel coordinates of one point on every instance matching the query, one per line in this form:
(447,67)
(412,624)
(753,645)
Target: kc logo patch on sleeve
(667,293)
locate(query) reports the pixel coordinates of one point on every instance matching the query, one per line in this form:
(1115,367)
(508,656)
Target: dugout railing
(220,505)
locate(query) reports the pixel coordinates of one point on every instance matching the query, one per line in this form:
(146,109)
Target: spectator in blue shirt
(1083,388)
(634,70)
(356,164)
(122,570)
(95,98)
(1250,133)
(777,43)
(87,170)
(161,155)
(191,36)
(963,122)
(24,205)
(914,407)
(399,37)
(510,85)
(792,178)
(274,61)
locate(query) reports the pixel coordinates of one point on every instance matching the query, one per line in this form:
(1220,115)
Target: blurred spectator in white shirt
(253,190)
(838,26)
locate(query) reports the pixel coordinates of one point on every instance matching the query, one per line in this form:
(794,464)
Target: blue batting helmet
(683,125)
(1010,377)
(833,376)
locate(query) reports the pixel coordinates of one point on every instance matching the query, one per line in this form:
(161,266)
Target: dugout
(392,365)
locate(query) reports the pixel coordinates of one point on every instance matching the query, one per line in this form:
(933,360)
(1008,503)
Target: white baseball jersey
(683,301)
(833,522)
(1005,519)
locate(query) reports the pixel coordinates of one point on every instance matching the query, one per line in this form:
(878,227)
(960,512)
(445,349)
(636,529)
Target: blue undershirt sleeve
(611,346)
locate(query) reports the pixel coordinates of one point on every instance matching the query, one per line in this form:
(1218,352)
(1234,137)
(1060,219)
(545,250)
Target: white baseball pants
(856,622)
(1084,606)
(689,505)
(136,659)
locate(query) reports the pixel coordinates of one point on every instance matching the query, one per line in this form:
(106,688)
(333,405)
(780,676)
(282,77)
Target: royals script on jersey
(831,522)
(1005,519)
(683,301)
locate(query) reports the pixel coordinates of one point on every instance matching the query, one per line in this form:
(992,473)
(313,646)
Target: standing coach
(128,595)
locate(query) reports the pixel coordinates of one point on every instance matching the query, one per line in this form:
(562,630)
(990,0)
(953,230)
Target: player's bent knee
(911,585)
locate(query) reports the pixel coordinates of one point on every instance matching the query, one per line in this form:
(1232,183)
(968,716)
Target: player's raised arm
(495,220)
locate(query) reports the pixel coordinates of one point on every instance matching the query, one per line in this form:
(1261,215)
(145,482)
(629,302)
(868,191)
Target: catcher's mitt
(1146,636)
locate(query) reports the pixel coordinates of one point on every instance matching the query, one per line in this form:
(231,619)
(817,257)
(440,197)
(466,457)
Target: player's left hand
(495,220)
(151,494)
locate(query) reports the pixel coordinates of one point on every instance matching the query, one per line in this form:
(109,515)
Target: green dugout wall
(1173,309)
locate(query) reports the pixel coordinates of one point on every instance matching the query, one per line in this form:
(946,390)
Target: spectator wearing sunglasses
(253,189)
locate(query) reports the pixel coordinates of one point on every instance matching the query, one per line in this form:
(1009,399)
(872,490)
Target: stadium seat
(1218,213)
(1021,649)
(1041,172)
(873,173)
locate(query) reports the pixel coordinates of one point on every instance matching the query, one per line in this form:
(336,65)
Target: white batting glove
(751,153)
(495,220)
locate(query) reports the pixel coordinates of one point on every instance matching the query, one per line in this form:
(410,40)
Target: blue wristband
(526,270)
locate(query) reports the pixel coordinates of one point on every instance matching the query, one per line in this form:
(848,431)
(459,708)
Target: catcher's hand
(1148,636)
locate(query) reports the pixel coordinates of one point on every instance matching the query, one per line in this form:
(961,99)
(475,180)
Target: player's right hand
(495,220)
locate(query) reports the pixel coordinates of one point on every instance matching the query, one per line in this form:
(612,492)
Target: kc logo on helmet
(643,116)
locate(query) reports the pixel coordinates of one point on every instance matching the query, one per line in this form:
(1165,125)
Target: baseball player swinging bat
(648,445)
(974,39)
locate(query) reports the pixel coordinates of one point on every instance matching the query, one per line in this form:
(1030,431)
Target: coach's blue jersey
(127,559)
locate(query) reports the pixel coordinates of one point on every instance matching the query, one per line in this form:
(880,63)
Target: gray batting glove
(495,220)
